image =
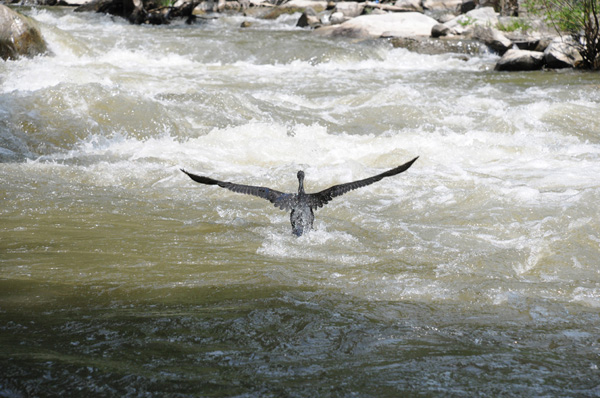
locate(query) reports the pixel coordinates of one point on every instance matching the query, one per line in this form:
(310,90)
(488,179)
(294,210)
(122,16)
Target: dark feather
(282,200)
(320,199)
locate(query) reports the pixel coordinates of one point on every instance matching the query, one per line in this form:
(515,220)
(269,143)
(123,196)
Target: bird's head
(300,182)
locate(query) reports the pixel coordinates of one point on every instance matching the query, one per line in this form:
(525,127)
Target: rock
(120,8)
(439,30)
(409,5)
(246,24)
(442,5)
(19,35)
(467,5)
(492,38)
(520,60)
(349,9)
(303,4)
(341,31)
(480,16)
(532,44)
(337,18)
(562,54)
(388,25)
(309,18)
(294,6)
(425,45)
(399,6)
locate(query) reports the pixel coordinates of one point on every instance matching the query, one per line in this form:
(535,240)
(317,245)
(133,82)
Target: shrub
(579,19)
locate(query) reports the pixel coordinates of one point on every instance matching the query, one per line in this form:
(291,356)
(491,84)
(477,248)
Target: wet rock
(19,35)
(562,54)
(246,24)
(440,46)
(407,24)
(492,38)
(520,60)
(342,31)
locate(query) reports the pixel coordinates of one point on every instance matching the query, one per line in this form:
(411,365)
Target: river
(474,273)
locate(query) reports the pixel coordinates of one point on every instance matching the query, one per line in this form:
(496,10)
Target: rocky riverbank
(427,26)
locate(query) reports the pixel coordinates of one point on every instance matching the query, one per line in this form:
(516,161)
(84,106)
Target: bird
(301,205)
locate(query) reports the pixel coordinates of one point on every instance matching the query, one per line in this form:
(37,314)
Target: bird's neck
(301,186)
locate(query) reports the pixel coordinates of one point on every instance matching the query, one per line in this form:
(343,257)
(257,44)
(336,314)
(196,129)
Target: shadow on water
(253,340)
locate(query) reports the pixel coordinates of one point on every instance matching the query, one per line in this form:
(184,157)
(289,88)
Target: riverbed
(474,273)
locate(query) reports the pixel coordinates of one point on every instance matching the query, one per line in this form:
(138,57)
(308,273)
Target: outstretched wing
(319,199)
(280,199)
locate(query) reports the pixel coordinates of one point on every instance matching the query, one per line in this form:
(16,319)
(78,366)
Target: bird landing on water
(301,205)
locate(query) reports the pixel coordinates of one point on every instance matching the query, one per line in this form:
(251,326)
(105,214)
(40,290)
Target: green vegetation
(515,24)
(466,21)
(577,18)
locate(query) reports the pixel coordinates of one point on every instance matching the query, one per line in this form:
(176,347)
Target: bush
(579,19)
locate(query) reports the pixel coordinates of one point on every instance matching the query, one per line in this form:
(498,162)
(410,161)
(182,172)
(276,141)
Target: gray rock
(520,60)
(409,5)
(302,4)
(453,5)
(19,35)
(480,16)
(431,46)
(342,31)
(403,24)
(562,54)
(349,9)
(337,18)
(439,30)
(492,38)
(308,18)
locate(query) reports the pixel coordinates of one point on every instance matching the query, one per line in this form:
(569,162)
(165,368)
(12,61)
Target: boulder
(349,9)
(492,38)
(399,6)
(442,5)
(405,24)
(19,35)
(409,5)
(520,60)
(337,18)
(485,16)
(303,4)
(342,31)
(426,45)
(562,54)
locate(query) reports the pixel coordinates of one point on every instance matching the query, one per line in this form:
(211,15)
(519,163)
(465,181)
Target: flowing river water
(476,272)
